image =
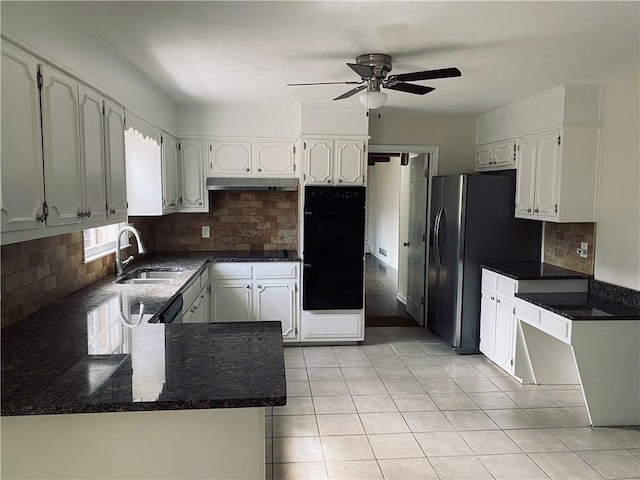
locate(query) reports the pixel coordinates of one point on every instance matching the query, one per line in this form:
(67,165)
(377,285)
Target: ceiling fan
(373,69)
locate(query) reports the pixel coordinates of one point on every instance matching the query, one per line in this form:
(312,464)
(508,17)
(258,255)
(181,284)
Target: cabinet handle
(87,213)
(528,210)
(259,286)
(535,211)
(339,180)
(247,169)
(492,297)
(112,211)
(80,214)
(328,180)
(199,204)
(248,287)
(259,169)
(498,300)
(41,218)
(405,244)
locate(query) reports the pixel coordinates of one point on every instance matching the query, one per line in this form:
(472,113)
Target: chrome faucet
(120,264)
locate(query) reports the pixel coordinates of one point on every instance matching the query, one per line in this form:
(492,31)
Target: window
(101,241)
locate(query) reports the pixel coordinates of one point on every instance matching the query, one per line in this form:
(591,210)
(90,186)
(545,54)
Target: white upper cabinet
(556,175)
(170,174)
(334,162)
(274,159)
(61,138)
(22,186)
(92,154)
(496,156)
(115,160)
(252,158)
(194,194)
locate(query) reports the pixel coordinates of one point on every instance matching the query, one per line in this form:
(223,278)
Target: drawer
(231,271)
(527,313)
(263,271)
(188,294)
(489,280)
(556,326)
(507,286)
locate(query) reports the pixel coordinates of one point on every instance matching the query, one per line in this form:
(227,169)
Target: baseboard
(384,260)
(402,299)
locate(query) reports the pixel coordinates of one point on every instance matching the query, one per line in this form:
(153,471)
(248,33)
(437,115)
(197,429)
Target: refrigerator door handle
(436,237)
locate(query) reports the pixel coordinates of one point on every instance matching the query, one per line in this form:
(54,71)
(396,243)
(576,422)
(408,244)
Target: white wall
(277,120)
(327,119)
(50,30)
(384,208)
(454,134)
(617,255)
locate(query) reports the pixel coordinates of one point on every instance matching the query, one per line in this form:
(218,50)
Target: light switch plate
(206,231)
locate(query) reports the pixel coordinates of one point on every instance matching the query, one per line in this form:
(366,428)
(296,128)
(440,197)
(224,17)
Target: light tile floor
(403,406)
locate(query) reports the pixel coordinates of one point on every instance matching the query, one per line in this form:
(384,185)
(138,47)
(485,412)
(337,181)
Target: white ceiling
(246,52)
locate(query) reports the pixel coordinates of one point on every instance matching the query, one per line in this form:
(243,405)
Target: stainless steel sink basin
(150,277)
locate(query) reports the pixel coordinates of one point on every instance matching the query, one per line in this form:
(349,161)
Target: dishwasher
(172,313)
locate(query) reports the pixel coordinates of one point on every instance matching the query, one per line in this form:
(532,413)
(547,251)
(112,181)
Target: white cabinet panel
(546,191)
(526,176)
(349,162)
(331,327)
(276,159)
(334,162)
(22,186)
(318,161)
(61,139)
(194,194)
(115,160)
(231,301)
(505,324)
(496,156)
(92,153)
(170,174)
(229,158)
(487,322)
(277,301)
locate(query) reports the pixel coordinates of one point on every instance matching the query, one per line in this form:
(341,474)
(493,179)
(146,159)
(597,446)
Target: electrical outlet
(583,250)
(206,231)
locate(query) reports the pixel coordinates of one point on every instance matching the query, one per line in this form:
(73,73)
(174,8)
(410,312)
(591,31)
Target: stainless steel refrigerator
(471,222)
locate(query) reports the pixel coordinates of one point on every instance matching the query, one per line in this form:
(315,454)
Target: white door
(229,159)
(115,154)
(274,158)
(504,335)
(276,301)
(21,182)
(194,194)
(231,302)
(92,153)
(418,174)
(526,177)
(487,323)
(318,161)
(548,160)
(349,162)
(61,138)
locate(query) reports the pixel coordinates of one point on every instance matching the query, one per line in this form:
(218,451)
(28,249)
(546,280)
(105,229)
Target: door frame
(433,167)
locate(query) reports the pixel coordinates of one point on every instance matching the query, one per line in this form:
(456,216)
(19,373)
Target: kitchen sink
(150,277)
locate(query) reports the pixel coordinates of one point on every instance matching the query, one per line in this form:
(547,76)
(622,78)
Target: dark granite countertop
(534,271)
(581,306)
(78,356)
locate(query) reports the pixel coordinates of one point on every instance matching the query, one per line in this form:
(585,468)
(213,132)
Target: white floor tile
(374,403)
(489,442)
(407,468)
(366,387)
(414,402)
(513,467)
(536,441)
(340,424)
(329,387)
(333,404)
(460,468)
(565,465)
(403,386)
(387,422)
(427,422)
(454,401)
(582,438)
(612,463)
(295,406)
(295,426)
(300,471)
(435,444)
(324,373)
(354,470)
(470,420)
(346,447)
(297,449)
(395,445)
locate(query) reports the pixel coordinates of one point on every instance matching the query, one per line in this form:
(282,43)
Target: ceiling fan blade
(362,70)
(410,88)
(351,92)
(427,75)
(324,83)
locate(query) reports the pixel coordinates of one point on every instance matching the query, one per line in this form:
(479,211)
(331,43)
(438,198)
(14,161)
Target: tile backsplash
(561,241)
(238,221)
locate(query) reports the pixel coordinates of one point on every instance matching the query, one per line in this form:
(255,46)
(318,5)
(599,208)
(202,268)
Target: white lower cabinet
(332,327)
(498,323)
(264,291)
(196,299)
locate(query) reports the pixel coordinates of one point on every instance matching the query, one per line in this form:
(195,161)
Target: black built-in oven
(333,248)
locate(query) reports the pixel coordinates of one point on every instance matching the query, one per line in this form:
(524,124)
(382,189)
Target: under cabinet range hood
(250,183)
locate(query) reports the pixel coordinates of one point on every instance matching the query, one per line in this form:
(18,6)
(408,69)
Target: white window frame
(96,250)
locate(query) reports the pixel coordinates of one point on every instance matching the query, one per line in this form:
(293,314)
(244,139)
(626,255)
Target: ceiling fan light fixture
(372,99)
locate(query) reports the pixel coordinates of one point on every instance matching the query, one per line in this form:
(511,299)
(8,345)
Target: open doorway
(397,203)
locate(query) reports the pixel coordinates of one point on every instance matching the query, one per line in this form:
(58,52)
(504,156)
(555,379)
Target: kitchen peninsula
(94,390)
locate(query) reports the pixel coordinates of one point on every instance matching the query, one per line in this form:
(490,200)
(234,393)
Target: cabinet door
(229,159)
(548,160)
(194,194)
(116,166)
(274,159)
(504,334)
(276,300)
(483,157)
(170,189)
(526,177)
(349,162)
(318,161)
(231,302)
(21,182)
(61,138)
(487,323)
(92,153)
(504,154)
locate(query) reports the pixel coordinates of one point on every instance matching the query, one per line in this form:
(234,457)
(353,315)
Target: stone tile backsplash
(238,220)
(561,241)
